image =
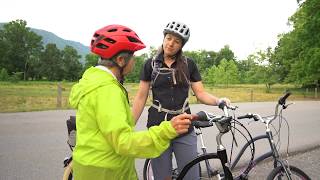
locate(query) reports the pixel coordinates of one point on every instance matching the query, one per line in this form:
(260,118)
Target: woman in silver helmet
(170,75)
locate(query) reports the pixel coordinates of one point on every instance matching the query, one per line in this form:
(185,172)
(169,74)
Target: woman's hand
(223,100)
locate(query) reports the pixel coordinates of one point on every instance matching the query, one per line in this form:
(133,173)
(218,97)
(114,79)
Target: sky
(247,26)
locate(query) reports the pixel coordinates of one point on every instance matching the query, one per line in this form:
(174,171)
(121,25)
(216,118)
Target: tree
(224,53)
(90,60)
(204,59)
(71,66)
(247,70)
(297,52)
(266,70)
(134,76)
(226,73)
(51,63)
(4,75)
(20,45)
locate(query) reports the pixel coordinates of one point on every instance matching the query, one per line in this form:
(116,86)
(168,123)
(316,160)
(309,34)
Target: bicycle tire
(296,173)
(67,173)
(201,160)
(147,170)
(148,173)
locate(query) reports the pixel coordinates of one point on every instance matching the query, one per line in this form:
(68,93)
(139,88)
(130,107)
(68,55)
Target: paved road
(33,144)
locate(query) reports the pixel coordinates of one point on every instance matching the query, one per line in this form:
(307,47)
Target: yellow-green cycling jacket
(106,143)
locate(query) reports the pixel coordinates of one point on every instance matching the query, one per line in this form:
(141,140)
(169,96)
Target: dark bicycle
(281,170)
(204,159)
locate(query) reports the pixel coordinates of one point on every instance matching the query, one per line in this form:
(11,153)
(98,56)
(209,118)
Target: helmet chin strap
(121,78)
(121,69)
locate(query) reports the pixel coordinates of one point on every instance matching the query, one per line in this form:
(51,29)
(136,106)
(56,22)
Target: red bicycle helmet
(110,40)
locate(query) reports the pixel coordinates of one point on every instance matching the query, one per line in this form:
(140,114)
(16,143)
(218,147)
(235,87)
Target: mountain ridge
(50,37)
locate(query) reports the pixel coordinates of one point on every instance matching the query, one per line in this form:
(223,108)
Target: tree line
(295,59)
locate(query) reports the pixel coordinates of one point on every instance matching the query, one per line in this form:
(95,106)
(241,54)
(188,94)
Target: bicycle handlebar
(223,105)
(249,115)
(257,117)
(282,100)
(203,116)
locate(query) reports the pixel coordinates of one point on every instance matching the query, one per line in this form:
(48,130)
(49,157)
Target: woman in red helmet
(170,75)
(106,142)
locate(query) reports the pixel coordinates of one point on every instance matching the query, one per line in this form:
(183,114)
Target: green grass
(35,96)
(32,96)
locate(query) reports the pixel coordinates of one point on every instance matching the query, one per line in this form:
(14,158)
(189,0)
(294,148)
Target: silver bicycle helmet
(179,29)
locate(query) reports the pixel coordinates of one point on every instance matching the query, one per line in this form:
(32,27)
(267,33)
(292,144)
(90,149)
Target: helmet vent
(127,30)
(132,39)
(101,46)
(112,30)
(109,40)
(95,35)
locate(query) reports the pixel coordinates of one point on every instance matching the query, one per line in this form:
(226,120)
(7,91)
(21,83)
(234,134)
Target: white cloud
(246,25)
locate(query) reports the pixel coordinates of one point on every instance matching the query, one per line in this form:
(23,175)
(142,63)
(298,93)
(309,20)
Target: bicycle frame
(274,152)
(221,151)
(256,160)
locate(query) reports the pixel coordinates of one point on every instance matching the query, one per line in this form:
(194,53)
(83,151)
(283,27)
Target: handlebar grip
(249,115)
(222,104)
(282,100)
(201,116)
(201,124)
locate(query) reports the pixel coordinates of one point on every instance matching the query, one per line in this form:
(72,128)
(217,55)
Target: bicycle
(223,124)
(67,163)
(204,120)
(281,167)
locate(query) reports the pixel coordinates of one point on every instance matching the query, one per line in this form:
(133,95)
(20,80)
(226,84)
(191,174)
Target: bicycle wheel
(147,170)
(296,173)
(206,171)
(67,173)
(148,173)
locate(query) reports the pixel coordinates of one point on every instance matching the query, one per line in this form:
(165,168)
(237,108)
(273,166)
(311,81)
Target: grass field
(36,96)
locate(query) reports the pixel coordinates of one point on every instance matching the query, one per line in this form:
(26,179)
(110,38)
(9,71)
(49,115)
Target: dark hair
(182,68)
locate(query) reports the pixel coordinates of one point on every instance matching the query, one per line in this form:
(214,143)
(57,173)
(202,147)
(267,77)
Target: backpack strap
(158,69)
(168,111)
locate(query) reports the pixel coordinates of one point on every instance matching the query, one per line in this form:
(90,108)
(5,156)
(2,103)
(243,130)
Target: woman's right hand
(181,123)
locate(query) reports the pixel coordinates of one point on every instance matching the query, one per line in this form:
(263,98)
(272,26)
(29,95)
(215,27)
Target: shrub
(4,76)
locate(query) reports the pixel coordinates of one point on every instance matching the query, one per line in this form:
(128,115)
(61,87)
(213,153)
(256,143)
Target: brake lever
(286,105)
(232,107)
